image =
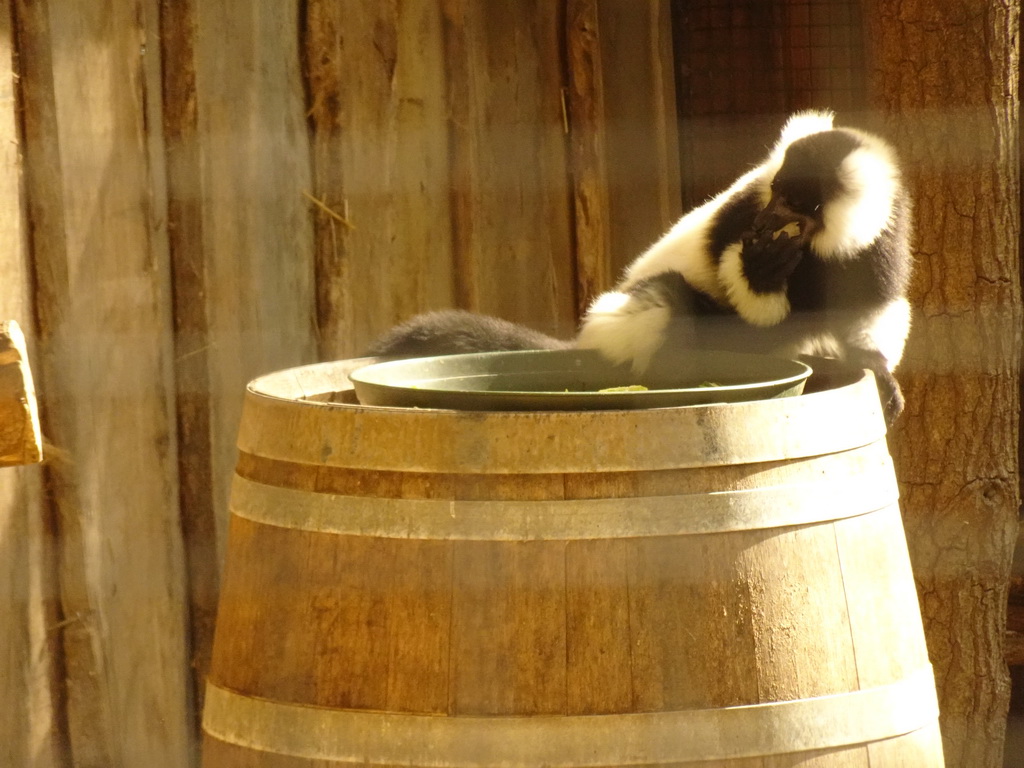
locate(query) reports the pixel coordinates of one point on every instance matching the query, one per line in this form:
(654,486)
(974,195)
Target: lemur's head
(839,188)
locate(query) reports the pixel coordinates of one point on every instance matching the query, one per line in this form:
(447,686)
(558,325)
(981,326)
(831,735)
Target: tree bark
(944,77)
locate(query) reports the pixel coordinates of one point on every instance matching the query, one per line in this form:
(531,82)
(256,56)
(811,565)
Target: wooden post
(641,125)
(20,439)
(588,150)
(373,79)
(93,188)
(194,350)
(511,203)
(31,673)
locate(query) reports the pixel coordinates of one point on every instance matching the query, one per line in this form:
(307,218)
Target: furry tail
(455,331)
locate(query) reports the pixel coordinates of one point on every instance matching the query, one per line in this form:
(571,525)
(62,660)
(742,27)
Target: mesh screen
(743,65)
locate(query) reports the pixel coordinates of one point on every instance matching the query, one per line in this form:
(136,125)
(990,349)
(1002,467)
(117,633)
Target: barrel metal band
(820,501)
(655,738)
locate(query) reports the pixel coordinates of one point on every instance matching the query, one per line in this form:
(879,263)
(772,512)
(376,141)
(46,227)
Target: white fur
(684,248)
(886,331)
(625,329)
(797,127)
(803,124)
(858,216)
(620,330)
(762,309)
(824,344)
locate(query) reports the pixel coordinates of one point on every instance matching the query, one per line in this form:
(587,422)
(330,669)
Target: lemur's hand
(769,258)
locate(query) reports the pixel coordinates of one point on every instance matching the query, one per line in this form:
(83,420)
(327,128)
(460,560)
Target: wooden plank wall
(31,731)
(94,188)
(641,118)
(200,192)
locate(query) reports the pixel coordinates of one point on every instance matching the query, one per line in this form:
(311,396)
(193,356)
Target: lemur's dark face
(807,181)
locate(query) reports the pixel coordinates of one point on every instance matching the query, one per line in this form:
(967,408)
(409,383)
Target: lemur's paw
(624,329)
(891,395)
(769,258)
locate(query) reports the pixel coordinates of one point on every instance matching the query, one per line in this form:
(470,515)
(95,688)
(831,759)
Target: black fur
(456,331)
(733,220)
(782,293)
(769,260)
(698,322)
(670,289)
(800,180)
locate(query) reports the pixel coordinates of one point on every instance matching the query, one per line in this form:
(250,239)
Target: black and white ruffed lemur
(808,253)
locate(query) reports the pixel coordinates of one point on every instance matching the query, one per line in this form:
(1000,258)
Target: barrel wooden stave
(550,619)
(524,615)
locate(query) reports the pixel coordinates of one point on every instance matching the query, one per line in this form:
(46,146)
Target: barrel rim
(304,384)
(280,421)
(571,741)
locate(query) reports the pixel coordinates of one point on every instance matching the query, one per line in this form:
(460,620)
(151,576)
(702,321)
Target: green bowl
(570,380)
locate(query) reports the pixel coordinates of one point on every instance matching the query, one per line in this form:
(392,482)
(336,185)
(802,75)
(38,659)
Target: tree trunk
(944,75)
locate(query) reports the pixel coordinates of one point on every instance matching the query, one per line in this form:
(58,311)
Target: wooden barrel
(704,586)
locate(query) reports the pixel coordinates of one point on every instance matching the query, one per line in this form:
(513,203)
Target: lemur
(807,253)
